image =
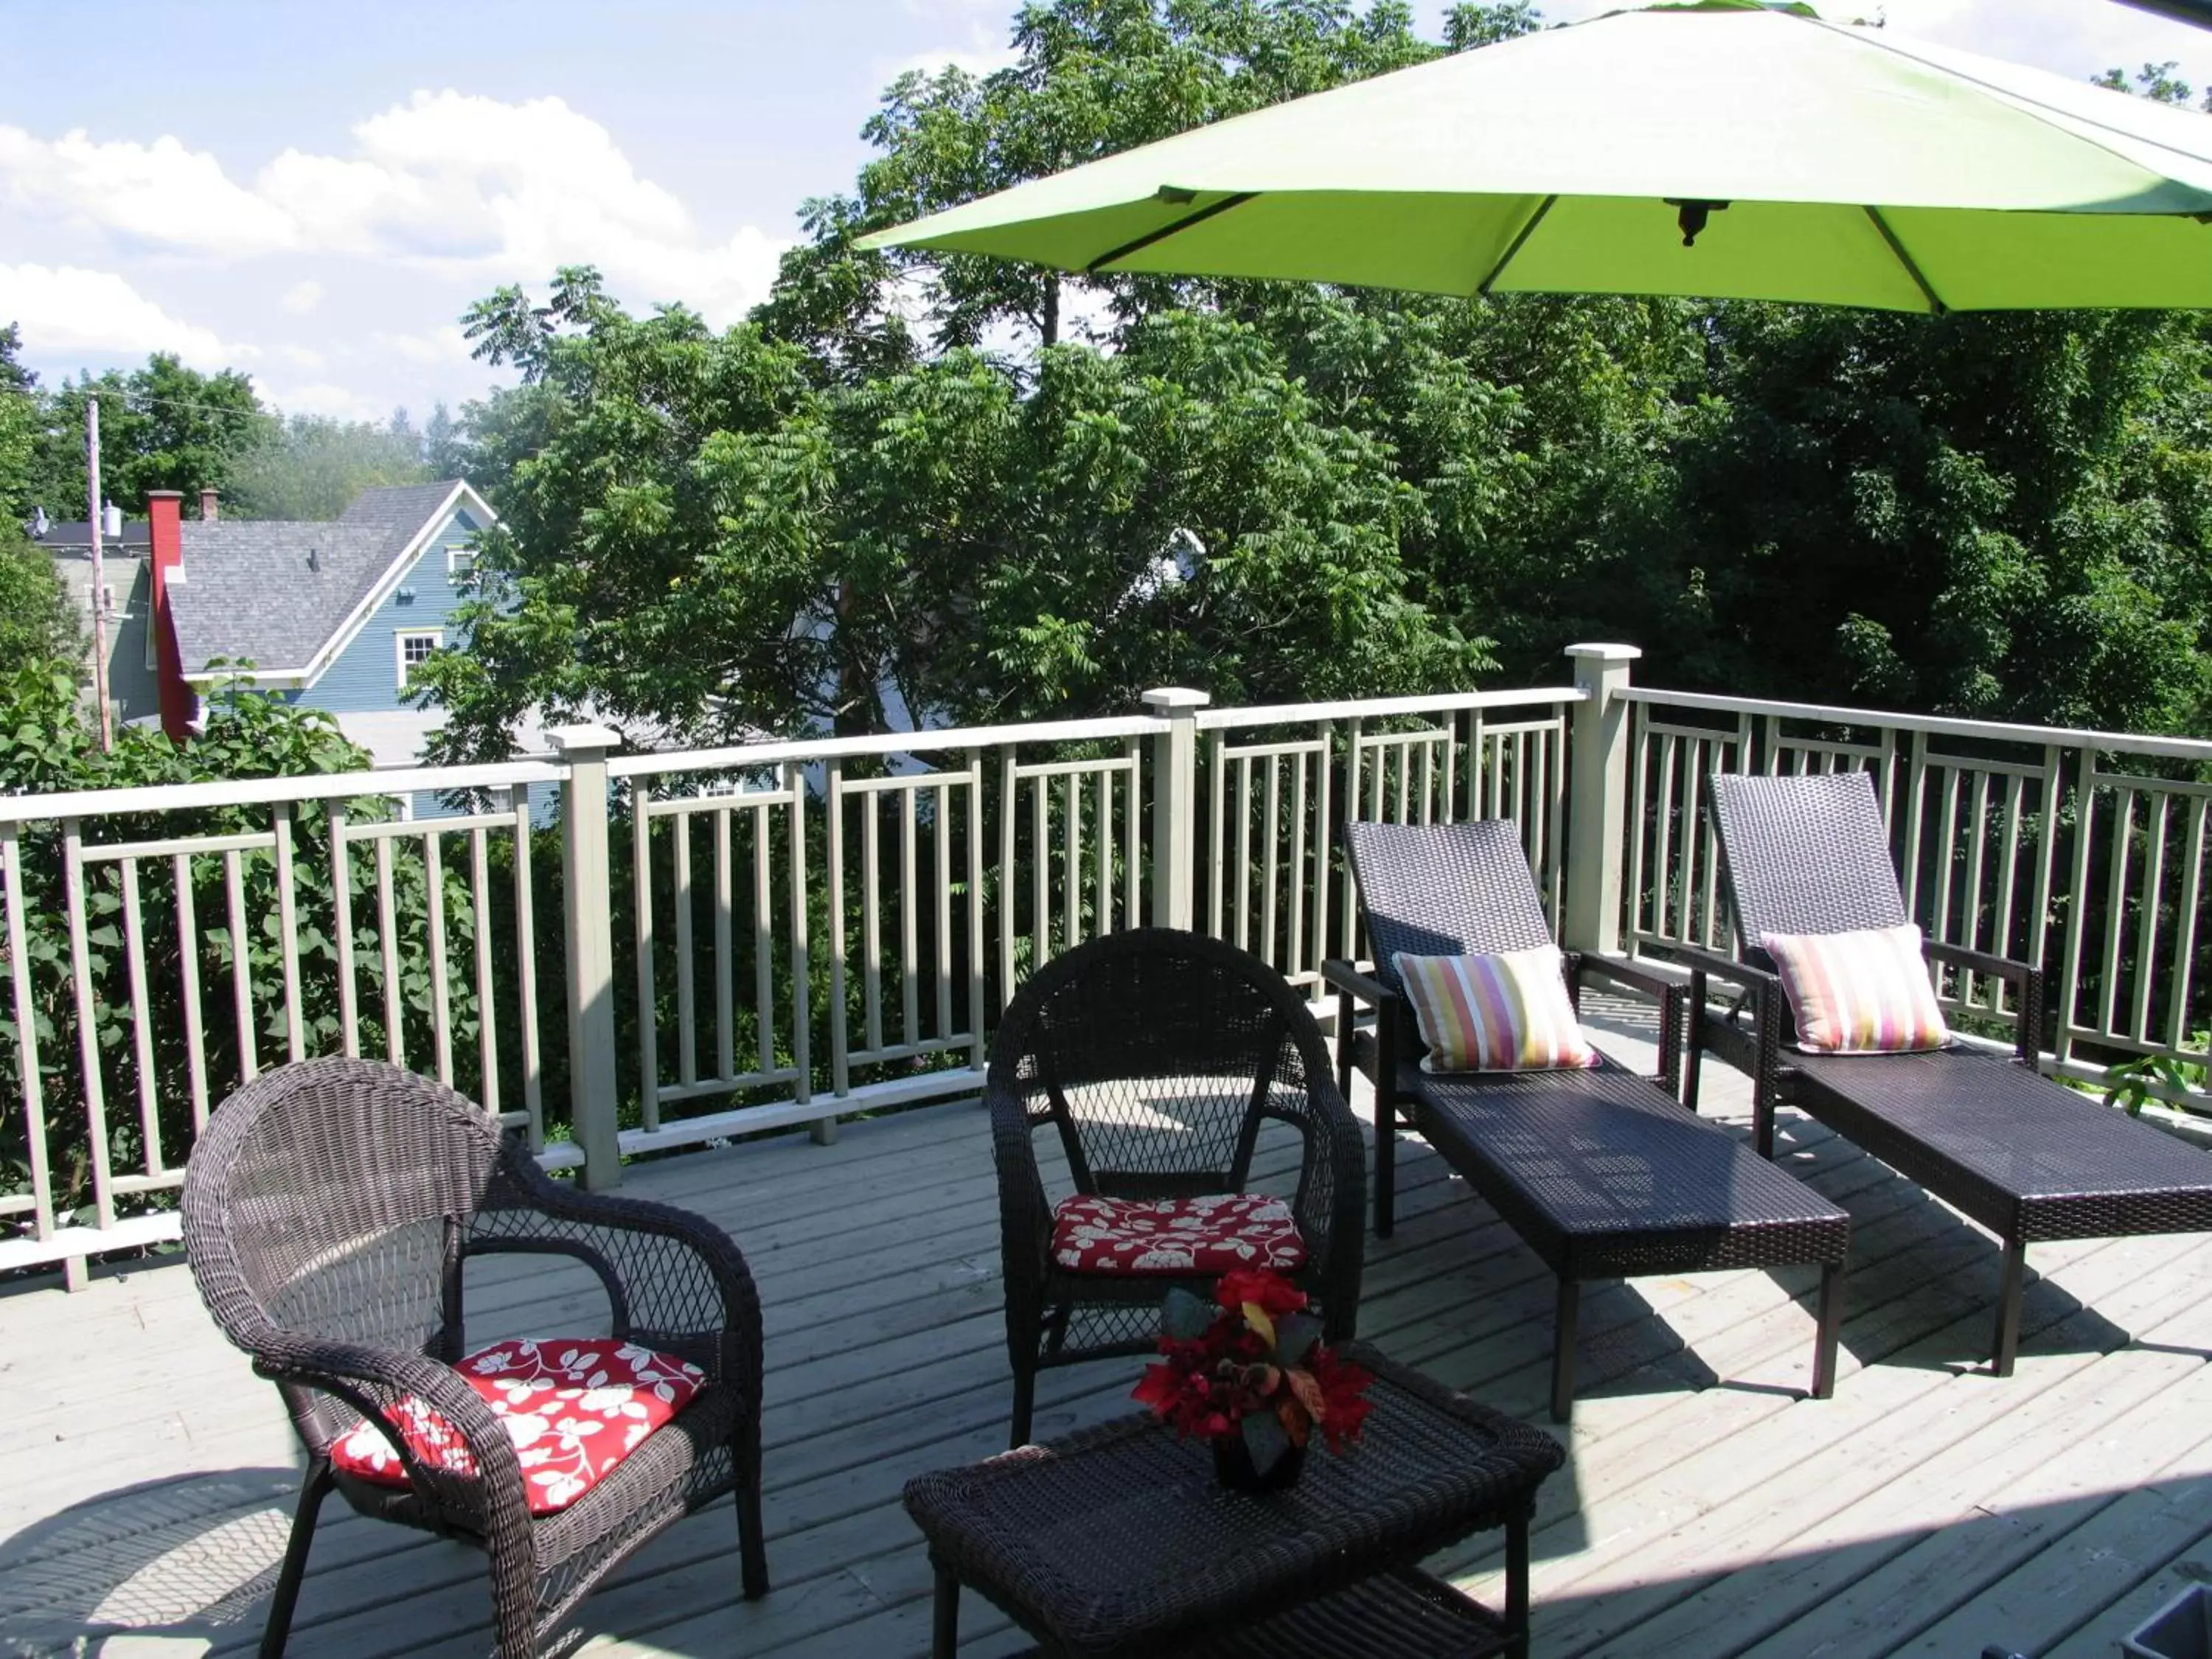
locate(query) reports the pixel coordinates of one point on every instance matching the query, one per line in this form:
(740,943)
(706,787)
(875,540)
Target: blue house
(337,614)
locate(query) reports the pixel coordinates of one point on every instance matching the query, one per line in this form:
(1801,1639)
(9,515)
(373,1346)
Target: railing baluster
(241,967)
(1296,962)
(2178,1030)
(1916,797)
(2124,825)
(1133,861)
(1008,809)
(1070,874)
(2147,914)
(342,930)
(188,963)
(525,972)
(872,919)
(648,1016)
(12,878)
(487,997)
(1271,866)
(976,991)
(2078,907)
(802,992)
(87,1020)
(764,939)
(1243,852)
(1662,837)
(1040,874)
(684,903)
(725,990)
(941,849)
(288,933)
(909,936)
(141,1018)
(442,1012)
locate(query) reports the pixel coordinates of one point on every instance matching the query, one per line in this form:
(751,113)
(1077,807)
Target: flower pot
(1232,1465)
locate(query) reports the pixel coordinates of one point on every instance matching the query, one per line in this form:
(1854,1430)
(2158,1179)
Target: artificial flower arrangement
(1250,1374)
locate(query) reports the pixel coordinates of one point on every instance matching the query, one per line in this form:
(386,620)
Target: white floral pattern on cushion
(573,1407)
(1209,1235)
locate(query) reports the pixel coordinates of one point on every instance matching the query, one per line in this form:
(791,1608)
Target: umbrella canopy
(1724,149)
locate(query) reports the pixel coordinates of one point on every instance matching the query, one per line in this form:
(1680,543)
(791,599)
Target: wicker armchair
(1157,1057)
(328,1210)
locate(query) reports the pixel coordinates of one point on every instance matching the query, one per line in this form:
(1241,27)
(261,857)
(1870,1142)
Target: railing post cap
(1606,652)
(1171,699)
(576,740)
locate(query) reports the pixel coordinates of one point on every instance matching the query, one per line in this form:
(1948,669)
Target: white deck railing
(741,938)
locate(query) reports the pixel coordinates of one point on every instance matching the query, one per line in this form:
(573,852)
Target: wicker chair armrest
(1979,961)
(370,1379)
(1713,965)
(680,1275)
(2024,978)
(1341,976)
(1628,974)
(1024,1211)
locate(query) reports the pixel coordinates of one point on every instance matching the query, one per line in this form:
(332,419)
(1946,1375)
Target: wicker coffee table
(1118,1541)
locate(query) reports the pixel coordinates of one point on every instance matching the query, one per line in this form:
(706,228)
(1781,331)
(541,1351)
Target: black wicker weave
(329,1209)
(1119,1541)
(1156,1056)
(2025,1156)
(1600,1172)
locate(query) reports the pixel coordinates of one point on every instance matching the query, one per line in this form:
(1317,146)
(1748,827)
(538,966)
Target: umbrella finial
(1693,215)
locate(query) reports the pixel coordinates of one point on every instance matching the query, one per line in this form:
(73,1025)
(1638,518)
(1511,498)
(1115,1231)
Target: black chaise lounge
(1600,1172)
(1987,1133)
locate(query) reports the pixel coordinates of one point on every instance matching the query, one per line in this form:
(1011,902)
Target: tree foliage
(984,491)
(310,466)
(162,427)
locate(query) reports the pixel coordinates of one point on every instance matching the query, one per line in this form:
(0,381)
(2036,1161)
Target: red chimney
(209,508)
(164,510)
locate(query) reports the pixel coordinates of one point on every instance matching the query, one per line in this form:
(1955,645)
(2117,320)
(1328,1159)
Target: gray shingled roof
(250,591)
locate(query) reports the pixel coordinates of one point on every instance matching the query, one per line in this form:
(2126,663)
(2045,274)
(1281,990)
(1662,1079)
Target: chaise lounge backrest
(1444,890)
(1804,855)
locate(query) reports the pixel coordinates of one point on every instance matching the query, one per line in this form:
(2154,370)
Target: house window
(415,647)
(460,560)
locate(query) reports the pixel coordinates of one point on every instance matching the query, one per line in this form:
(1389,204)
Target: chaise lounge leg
(752,1544)
(1563,1350)
(1385,1163)
(1517,1583)
(278,1629)
(1024,1404)
(1832,1320)
(2015,1274)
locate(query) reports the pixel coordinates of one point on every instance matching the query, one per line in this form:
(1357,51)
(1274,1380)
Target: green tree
(162,427)
(310,466)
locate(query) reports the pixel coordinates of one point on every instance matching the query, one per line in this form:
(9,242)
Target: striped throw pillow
(1508,1013)
(1866,992)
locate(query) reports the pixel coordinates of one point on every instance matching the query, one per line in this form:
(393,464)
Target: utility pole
(98,571)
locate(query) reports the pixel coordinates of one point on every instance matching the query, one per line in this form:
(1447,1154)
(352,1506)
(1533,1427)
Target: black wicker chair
(2028,1159)
(1600,1172)
(1157,1057)
(329,1209)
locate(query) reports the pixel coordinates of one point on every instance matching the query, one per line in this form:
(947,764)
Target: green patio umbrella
(1726,149)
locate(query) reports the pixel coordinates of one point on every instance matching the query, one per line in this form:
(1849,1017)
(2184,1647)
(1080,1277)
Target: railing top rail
(2190,748)
(807,749)
(257,792)
(1287,713)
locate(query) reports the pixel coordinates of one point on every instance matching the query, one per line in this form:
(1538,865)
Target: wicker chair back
(1444,890)
(1158,1053)
(1804,855)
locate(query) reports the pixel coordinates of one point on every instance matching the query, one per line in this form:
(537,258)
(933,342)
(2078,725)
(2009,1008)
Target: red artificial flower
(1272,1293)
(1343,1387)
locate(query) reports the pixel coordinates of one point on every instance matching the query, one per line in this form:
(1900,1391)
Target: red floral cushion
(1209,1235)
(574,1409)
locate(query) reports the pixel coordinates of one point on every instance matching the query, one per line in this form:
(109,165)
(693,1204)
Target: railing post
(587,890)
(1597,808)
(1174,804)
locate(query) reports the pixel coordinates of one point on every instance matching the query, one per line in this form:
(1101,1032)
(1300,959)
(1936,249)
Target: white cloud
(64,309)
(302,297)
(445,182)
(979,59)
(431,347)
(322,397)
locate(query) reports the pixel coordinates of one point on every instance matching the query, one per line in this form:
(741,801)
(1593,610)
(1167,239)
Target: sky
(312,192)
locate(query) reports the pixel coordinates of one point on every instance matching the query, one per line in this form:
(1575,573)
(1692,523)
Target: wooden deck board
(1706,1508)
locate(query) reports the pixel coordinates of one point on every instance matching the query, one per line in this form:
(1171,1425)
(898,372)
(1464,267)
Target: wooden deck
(146,1475)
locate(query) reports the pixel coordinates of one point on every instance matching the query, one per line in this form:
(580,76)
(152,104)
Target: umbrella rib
(1912,267)
(1166,231)
(1520,240)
